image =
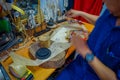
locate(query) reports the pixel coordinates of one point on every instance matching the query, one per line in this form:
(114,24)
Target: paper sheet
(56,48)
(61,34)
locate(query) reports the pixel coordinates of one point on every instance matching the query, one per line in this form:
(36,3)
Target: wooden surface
(38,72)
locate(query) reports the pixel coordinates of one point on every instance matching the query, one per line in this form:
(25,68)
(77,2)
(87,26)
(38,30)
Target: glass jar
(45,41)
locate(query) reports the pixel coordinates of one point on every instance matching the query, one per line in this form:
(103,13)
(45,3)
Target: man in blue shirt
(99,57)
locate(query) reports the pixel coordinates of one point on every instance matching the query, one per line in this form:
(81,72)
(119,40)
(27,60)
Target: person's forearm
(102,71)
(89,17)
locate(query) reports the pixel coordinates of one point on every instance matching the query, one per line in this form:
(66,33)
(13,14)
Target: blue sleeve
(116,54)
(115,50)
(118,73)
(115,42)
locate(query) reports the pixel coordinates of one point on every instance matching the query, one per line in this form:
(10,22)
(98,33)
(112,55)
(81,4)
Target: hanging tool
(9,1)
(18,9)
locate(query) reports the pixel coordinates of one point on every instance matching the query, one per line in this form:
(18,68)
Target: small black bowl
(43,53)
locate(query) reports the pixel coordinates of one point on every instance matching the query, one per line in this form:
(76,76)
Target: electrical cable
(23,46)
(25,37)
(10,43)
(13,39)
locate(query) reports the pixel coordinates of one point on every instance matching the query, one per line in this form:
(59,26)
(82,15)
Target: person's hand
(73,13)
(80,45)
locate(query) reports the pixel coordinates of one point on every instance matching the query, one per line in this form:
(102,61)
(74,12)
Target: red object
(0,8)
(89,6)
(22,79)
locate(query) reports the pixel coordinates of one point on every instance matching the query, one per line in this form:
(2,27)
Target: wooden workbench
(38,72)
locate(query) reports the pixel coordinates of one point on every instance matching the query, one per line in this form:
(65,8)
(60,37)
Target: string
(8,10)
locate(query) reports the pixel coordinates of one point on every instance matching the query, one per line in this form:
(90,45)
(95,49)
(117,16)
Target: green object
(5,26)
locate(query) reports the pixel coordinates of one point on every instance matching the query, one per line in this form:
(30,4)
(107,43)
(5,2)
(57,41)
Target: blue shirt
(104,41)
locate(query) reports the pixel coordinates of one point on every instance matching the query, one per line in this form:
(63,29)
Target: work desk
(38,72)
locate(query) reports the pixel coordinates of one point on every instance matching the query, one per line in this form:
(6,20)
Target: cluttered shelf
(39,73)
